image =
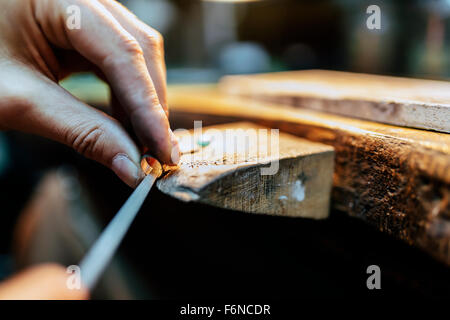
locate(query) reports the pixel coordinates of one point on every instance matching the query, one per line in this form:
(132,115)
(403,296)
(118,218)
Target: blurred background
(206,39)
(194,251)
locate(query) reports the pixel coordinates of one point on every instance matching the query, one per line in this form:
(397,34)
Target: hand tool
(98,257)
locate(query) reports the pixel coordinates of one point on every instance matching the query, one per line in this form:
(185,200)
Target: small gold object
(151,166)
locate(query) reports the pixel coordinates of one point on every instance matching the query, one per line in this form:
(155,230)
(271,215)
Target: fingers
(151,42)
(107,44)
(60,116)
(43,282)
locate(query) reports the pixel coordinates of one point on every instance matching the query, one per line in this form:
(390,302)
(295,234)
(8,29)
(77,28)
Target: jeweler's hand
(38,48)
(43,282)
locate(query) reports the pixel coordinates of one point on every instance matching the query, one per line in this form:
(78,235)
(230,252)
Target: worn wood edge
(343,85)
(192,99)
(312,89)
(201,195)
(229,185)
(388,111)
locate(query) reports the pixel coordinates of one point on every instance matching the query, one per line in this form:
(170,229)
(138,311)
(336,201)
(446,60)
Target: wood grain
(400,101)
(233,171)
(397,179)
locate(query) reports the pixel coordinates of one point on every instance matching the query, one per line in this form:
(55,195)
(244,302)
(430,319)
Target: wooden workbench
(395,178)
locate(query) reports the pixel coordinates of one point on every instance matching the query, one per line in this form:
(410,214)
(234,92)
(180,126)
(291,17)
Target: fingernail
(175,154)
(126,170)
(173,137)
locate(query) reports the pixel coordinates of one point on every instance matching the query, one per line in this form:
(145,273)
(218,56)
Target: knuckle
(88,140)
(158,38)
(144,97)
(131,47)
(129,50)
(153,39)
(153,99)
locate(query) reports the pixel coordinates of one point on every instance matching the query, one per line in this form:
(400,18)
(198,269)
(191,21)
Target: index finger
(103,41)
(151,42)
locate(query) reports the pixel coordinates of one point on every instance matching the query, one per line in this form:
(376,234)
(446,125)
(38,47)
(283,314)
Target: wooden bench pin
(250,168)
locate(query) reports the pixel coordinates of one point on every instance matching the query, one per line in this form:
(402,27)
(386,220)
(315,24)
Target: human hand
(42,282)
(37,49)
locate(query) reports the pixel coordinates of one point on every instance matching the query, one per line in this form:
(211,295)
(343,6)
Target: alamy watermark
(374,280)
(73,281)
(73,21)
(230,146)
(373,22)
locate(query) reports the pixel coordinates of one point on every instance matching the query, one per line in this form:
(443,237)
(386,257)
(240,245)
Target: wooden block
(397,179)
(400,101)
(246,168)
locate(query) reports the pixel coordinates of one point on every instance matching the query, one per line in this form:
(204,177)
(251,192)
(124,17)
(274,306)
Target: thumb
(43,282)
(59,116)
